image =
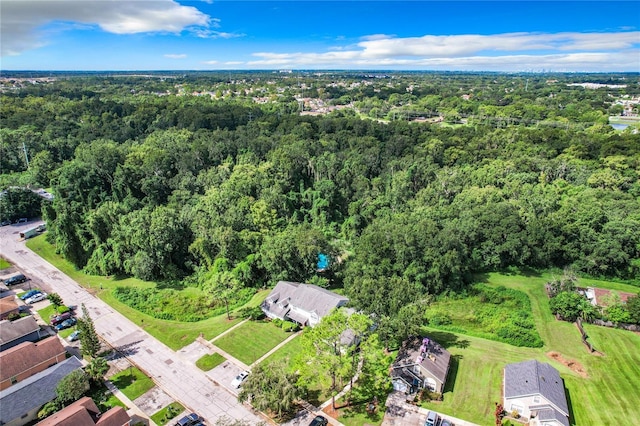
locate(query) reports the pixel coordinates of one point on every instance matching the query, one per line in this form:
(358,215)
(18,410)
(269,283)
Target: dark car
(29,294)
(57,319)
(445,422)
(319,421)
(16,279)
(189,420)
(66,324)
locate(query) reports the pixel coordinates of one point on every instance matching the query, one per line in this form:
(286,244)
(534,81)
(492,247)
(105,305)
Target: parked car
(16,279)
(445,422)
(5,222)
(319,421)
(189,420)
(35,298)
(432,419)
(237,382)
(41,228)
(57,319)
(29,294)
(66,324)
(22,220)
(74,336)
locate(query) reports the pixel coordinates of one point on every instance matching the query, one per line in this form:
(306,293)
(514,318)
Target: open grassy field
(608,395)
(251,340)
(4,264)
(287,352)
(174,334)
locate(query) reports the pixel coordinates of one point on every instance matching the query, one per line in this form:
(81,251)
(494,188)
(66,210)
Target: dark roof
(12,330)
(434,359)
(34,391)
(551,414)
(84,412)
(27,355)
(532,378)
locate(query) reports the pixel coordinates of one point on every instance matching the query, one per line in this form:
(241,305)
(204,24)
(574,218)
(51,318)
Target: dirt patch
(575,366)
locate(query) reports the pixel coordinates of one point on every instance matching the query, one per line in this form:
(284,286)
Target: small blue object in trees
(323,262)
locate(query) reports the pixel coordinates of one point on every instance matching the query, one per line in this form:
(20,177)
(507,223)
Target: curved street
(175,375)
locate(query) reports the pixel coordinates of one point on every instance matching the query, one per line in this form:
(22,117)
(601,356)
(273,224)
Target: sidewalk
(133,408)
(278,346)
(223,353)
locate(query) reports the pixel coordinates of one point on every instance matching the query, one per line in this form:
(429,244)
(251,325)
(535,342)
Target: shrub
(277,322)
(253,314)
(289,326)
(440,318)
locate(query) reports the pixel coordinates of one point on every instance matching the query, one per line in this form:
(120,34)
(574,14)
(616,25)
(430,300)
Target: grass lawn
(356,414)
(132,382)
(4,264)
(163,416)
(251,340)
(288,351)
(103,398)
(210,361)
(607,396)
(174,334)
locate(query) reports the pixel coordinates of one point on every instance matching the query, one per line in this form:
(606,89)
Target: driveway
(176,376)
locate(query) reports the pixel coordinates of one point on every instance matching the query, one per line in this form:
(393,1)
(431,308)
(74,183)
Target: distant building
(8,306)
(21,402)
(26,329)
(85,412)
(536,391)
(28,358)
(421,363)
(305,304)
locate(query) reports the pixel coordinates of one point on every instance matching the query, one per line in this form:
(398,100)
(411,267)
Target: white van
(432,419)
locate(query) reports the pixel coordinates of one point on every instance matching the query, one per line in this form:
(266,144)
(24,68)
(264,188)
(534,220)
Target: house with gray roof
(26,329)
(304,304)
(421,364)
(536,391)
(21,402)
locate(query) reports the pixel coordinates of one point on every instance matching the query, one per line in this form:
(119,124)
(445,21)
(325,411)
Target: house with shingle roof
(21,402)
(536,391)
(305,304)
(8,306)
(422,363)
(26,329)
(28,358)
(85,412)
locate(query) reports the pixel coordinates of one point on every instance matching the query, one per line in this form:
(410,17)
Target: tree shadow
(454,363)
(170,284)
(125,350)
(313,397)
(447,340)
(521,270)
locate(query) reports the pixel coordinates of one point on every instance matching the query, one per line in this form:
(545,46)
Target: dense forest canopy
(222,179)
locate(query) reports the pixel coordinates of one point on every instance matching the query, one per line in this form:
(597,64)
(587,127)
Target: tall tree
(90,342)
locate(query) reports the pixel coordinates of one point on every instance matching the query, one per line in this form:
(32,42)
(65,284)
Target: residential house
(85,412)
(26,329)
(421,363)
(8,306)
(21,402)
(304,304)
(28,358)
(536,391)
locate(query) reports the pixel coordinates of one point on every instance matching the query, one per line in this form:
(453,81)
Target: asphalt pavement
(176,376)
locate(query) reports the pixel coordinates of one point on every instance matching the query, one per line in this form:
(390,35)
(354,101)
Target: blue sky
(404,35)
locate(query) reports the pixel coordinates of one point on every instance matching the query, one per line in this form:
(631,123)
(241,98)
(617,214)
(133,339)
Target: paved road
(175,375)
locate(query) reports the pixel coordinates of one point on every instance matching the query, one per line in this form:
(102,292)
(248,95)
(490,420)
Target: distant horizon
(205,35)
(311,70)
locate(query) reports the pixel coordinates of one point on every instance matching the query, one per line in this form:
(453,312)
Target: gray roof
(435,359)
(532,378)
(12,330)
(34,391)
(307,297)
(551,414)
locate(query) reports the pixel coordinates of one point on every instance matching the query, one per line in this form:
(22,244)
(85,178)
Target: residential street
(175,375)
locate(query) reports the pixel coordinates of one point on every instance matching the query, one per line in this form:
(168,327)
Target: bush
(277,322)
(440,319)
(289,326)
(253,314)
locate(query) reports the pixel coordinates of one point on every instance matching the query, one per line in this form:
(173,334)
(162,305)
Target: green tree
(20,202)
(72,387)
(373,380)
(271,388)
(55,299)
(571,306)
(90,342)
(97,368)
(633,307)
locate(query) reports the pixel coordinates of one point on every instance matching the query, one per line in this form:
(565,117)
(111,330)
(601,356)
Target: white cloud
(207,33)
(175,55)
(234,63)
(23,20)
(500,52)
(210,62)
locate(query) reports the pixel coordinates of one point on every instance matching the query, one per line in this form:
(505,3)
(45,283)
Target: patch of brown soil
(575,366)
(331,412)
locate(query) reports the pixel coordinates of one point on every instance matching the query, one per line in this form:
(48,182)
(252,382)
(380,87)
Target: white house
(304,304)
(535,390)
